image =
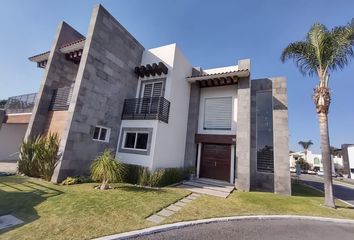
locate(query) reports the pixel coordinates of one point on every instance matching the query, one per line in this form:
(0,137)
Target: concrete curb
(167,227)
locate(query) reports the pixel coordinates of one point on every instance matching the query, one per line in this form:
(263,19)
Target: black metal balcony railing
(155,108)
(61,99)
(20,104)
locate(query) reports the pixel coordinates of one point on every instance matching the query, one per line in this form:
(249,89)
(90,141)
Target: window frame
(108,134)
(136,130)
(135,140)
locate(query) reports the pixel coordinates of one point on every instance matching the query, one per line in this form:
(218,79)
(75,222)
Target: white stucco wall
(221,69)
(351,157)
(11,136)
(165,54)
(171,137)
(138,159)
(213,92)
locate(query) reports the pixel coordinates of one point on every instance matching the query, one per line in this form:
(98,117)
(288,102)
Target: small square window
(130,140)
(101,134)
(141,142)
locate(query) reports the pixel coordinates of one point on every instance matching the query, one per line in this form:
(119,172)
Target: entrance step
(215,182)
(206,191)
(200,184)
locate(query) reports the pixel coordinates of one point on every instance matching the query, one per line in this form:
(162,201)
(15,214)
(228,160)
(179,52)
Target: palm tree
(322,52)
(305,145)
(106,168)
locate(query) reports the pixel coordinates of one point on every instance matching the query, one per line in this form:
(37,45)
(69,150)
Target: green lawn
(81,212)
(78,211)
(305,201)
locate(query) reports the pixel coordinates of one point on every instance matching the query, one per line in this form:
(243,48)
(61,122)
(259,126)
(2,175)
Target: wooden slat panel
(22,118)
(56,122)
(215,138)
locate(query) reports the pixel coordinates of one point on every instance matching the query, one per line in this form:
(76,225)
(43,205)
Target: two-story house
(155,109)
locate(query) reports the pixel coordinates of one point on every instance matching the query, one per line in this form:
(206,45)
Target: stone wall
(243,134)
(282,181)
(192,126)
(105,78)
(59,72)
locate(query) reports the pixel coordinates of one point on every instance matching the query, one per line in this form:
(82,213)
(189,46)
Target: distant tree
(2,103)
(337,152)
(303,164)
(305,145)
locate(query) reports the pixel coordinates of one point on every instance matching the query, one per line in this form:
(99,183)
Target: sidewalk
(8,166)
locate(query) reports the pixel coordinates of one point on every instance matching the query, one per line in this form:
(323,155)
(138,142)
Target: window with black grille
(264,118)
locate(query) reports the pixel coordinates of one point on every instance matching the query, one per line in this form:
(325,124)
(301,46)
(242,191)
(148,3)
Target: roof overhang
(219,79)
(72,51)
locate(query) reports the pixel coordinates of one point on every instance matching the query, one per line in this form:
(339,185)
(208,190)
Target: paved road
(340,191)
(261,229)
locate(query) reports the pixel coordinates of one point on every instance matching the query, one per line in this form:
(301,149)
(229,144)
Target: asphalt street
(261,229)
(340,191)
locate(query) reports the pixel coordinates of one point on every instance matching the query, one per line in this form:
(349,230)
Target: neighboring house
(315,160)
(157,110)
(348,159)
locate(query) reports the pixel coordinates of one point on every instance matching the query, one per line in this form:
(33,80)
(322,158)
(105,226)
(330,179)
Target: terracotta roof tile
(215,74)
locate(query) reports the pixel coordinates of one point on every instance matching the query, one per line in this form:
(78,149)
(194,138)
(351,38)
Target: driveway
(261,229)
(341,191)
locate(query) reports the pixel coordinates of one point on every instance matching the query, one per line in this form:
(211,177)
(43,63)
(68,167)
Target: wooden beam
(163,67)
(157,69)
(150,70)
(215,138)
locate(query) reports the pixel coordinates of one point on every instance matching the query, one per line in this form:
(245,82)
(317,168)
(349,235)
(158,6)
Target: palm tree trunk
(326,160)
(103,185)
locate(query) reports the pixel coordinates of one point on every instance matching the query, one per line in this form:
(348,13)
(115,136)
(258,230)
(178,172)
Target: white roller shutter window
(218,113)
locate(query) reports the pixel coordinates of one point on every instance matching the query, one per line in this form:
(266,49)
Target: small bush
(159,178)
(76,180)
(39,156)
(106,168)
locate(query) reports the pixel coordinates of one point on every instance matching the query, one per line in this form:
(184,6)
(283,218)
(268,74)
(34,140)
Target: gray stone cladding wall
(105,78)
(243,135)
(282,181)
(59,72)
(279,181)
(192,126)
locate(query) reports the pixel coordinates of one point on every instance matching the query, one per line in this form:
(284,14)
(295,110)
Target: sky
(209,33)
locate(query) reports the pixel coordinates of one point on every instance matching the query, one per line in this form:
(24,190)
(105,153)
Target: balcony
(20,104)
(61,99)
(155,108)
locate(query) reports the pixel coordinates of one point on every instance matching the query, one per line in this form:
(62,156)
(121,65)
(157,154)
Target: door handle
(214,164)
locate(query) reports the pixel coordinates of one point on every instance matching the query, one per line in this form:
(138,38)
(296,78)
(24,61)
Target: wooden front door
(215,161)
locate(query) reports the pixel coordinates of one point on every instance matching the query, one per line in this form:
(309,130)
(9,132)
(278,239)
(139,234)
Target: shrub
(159,178)
(76,180)
(39,156)
(27,163)
(106,168)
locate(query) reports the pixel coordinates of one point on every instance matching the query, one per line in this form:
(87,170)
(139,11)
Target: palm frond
(304,56)
(339,47)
